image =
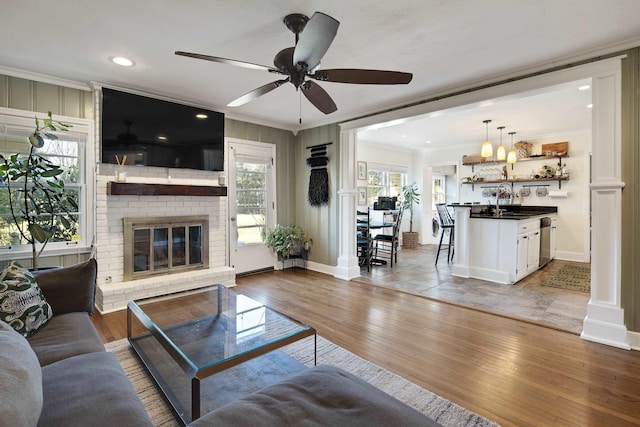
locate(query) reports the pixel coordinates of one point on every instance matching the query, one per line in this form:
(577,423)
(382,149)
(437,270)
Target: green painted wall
(631,192)
(29,95)
(292,178)
(321,223)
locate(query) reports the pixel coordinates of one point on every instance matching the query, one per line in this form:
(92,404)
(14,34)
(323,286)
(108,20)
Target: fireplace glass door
(164,244)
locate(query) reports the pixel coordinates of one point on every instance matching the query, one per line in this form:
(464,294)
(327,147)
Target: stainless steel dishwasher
(545,240)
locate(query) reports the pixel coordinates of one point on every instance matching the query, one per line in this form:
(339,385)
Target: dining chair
(386,245)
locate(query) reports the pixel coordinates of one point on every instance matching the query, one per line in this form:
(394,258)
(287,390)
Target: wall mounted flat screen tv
(152,132)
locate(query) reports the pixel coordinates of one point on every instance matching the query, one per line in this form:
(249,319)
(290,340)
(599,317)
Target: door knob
(233,218)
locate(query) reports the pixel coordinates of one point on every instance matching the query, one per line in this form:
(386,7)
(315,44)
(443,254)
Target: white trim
(57,81)
(322,268)
(259,152)
(83,128)
(506,89)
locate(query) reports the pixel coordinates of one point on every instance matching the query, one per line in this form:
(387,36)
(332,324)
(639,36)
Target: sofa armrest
(69,289)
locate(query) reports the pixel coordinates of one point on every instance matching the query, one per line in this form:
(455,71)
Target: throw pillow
(22,304)
(69,289)
(21,397)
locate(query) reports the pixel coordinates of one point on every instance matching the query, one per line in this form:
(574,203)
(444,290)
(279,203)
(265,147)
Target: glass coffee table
(183,341)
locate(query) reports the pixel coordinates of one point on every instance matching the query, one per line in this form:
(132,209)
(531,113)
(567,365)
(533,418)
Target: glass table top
(209,331)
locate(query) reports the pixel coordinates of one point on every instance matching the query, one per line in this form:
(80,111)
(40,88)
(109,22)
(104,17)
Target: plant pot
(409,239)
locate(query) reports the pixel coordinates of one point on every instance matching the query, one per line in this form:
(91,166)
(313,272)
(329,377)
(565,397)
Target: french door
(251,191)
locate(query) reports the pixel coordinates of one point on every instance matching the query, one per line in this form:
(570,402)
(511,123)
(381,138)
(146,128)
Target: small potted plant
(39,206)
(410,196)
(289,241)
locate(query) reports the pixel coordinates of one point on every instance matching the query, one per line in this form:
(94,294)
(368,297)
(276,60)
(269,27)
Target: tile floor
(528,300)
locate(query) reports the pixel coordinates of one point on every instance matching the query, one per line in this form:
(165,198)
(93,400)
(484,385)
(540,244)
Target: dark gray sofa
(82,384)
(320,396)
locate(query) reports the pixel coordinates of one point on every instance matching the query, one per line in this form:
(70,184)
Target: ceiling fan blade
(369,77)
(248,97)
(226,61)
(318,97)
(315,40)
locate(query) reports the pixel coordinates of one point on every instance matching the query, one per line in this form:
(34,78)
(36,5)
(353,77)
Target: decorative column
(604,322)
(460,267)
(347,267)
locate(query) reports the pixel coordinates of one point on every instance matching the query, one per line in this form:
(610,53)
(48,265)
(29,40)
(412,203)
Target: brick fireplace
(114,292)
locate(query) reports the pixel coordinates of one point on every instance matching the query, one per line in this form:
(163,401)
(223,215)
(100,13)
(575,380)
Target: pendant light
(487,148)
(511,157)
(501,155)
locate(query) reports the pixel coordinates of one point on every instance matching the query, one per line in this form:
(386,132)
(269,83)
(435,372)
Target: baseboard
(572,256)
(321,268)
(634,340)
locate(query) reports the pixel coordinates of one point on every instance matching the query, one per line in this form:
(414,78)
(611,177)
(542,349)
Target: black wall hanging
(319,178)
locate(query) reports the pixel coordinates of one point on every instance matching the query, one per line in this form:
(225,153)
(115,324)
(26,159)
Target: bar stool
(446,225)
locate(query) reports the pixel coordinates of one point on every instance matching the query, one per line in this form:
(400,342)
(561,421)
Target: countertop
(508,212)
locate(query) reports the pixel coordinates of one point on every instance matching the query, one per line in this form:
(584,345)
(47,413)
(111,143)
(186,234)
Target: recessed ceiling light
(428,142)
(202,116)
(590,106)
(584,87)
(162,138)
(121,60)
(404,136)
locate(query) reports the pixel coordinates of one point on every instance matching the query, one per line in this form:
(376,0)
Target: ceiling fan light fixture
(501,155)
(313,36)
(487,147)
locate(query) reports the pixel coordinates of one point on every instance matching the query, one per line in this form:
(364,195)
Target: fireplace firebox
(165,245)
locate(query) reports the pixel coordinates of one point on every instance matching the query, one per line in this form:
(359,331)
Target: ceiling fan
(301,63)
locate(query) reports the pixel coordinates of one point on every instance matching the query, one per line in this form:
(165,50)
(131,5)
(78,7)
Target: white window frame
(81,129)
(385,189)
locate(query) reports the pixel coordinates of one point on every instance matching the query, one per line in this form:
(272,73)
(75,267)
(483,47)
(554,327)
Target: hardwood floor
(512,372)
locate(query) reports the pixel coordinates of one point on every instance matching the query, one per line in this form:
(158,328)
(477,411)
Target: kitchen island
(502,244)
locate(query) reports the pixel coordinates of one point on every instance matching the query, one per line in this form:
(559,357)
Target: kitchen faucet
(499,192)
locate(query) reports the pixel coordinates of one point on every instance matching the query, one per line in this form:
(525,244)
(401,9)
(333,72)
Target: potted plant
(289,241)
(38,203)
(410,196)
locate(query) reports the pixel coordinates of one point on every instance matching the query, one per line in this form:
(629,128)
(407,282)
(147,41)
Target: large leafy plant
(410,196)
(288,240)
(38,203)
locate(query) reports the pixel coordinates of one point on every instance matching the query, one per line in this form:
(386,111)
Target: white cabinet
(533,251)
(528,252)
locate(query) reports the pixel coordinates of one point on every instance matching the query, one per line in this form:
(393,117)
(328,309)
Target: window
(251,193)
(385,180)
(438,190)
(70,152)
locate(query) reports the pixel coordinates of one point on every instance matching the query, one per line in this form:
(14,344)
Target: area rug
(441,410)
(571,277)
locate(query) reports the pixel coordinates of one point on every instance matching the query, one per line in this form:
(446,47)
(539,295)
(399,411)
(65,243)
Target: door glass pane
(195,244)
(160,248)
(179,247)
(141,245)
(251,203)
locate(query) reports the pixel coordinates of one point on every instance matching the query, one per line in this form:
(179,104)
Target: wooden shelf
(137,189)
(508,181)
(524,159)
(516,181)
